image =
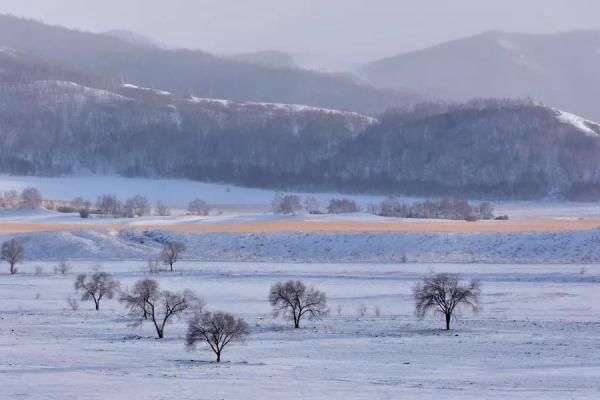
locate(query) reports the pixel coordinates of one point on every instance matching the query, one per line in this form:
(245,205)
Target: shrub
(342,206)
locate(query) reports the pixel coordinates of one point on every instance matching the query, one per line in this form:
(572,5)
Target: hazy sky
(337,30)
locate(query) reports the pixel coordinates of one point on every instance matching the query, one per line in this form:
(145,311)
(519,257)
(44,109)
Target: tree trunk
(12,268)
(448,322)
(219,356)
(97,305)
(171,266)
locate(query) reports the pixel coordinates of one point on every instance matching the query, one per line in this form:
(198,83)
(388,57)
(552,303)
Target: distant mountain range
(188,72)
(271,58)
(560,70)
(74,102)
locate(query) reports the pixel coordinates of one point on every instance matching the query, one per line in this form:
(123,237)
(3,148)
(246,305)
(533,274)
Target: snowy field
(536,337)
(234,200)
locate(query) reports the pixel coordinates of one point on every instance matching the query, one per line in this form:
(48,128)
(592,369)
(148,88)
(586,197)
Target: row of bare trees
(290,204)
(13,253)
(146,302)
(28,197)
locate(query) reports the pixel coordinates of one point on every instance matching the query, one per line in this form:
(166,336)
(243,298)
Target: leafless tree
(171,252)
(161,210)
(153,266)
(137,206)
(445,294)
(217,329)
(342,206)
(288,204)
(10,199)
(146,302)
(62,268)
(108,204)
(311,205)
(96,287)
(13,253)
(198,207)
(73,303)
(362,310)
(31,197)
(295,301)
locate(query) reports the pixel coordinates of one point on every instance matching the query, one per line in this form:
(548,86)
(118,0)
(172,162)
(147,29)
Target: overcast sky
(337,30)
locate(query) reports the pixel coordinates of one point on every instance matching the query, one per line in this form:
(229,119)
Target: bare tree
(361,310)
(217,329)
(198,207)
(62,268)
(10,199)
(311,205)
(31,197)
(342,206)
(153,266)
(445,294)
(287,204)
(73,303)
(108,204)
(171,252)
(12,253)
(295,301)
(137,206)
(147,302)
(96,287)
(161,210)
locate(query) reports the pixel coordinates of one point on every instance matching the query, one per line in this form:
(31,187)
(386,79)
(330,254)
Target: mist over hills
(73,102)
(558,69)
(193,72)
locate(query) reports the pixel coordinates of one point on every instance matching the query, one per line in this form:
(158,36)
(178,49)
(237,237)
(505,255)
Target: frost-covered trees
(96,287)
(31,197)
(146,302)
(311,205)
(342,206)
(217,329)
(136,206)
(288,204)
(108,204)
(171,252)
(161,210)
(294,301)
(13,253)
(454,209)
(445,294)
(198,207)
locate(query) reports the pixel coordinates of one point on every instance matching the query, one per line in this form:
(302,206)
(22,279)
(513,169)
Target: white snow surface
(588,127)
(535,338)
(237,200)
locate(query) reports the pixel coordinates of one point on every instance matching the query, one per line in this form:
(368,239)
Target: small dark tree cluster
(342,206)
(199,207)
(454,209)
(136,206)
(288,204)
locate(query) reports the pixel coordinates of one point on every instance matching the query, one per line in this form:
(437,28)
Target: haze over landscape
(329,199)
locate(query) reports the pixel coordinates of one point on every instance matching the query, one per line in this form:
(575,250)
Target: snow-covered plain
(536,337)
(236,200)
